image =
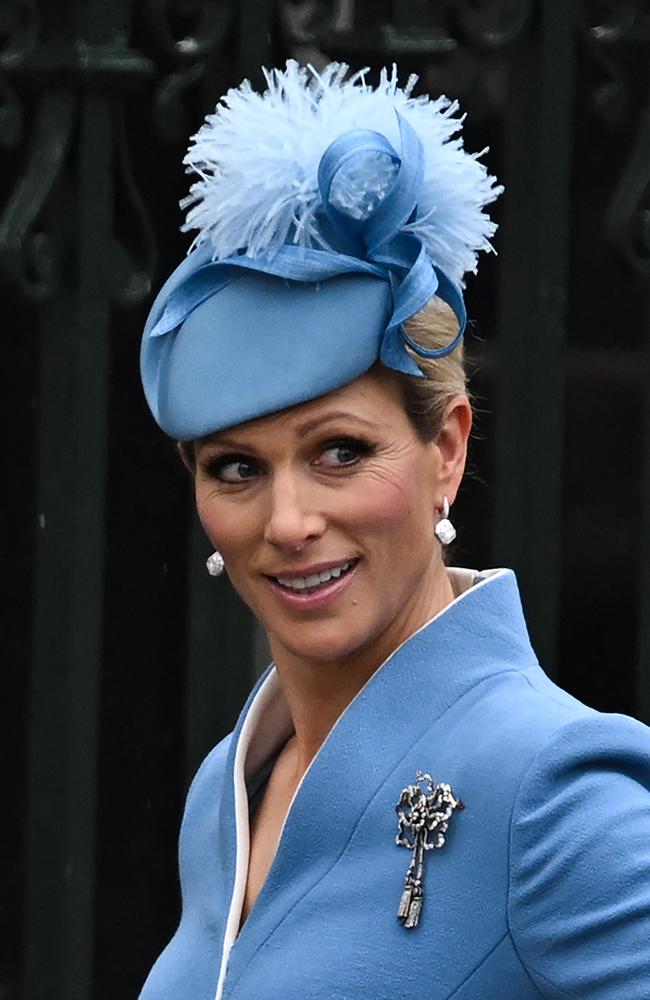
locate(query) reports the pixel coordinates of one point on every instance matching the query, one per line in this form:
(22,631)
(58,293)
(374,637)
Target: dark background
(122,662)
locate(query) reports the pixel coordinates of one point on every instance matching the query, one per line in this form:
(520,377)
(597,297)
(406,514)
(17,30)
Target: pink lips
(327,592)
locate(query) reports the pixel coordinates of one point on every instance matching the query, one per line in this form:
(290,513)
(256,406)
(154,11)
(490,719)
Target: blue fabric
(374,260)
(543,886)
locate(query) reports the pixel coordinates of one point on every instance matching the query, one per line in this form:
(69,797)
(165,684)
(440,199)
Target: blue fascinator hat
(328,213)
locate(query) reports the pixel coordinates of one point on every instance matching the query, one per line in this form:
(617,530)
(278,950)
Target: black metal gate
(123,663)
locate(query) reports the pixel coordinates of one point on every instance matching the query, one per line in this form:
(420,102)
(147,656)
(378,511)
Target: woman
(407,806)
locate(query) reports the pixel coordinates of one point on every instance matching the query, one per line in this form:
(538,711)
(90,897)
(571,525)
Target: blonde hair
(425,399)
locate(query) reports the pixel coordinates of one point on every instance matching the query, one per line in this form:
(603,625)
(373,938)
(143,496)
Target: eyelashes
(238,468)
(356,447)
(230,468)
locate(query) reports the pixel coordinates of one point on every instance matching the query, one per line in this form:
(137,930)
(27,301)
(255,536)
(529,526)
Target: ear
(452,445)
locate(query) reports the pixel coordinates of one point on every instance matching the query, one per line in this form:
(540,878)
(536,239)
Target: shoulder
(579,868)
(210,773)
(508,718)
(200,816)
(521,716)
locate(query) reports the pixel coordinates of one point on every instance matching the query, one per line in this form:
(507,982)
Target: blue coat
(542,888)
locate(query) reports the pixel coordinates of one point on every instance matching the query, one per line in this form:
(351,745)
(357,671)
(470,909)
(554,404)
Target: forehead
(372,400)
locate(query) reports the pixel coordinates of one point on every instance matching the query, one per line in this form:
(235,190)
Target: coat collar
(480,634)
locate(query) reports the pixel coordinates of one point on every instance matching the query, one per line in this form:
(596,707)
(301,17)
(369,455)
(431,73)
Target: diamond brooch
(423,814)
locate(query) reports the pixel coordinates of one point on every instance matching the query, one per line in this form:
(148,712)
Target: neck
(318,692)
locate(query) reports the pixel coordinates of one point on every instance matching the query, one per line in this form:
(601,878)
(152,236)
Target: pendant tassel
(415,909)
(405,903)
(407,894)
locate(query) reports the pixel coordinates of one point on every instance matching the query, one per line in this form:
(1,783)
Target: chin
(323,643)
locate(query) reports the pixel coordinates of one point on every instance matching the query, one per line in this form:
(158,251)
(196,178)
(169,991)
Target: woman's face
(324,514)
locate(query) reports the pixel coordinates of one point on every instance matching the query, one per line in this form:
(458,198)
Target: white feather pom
(257,161)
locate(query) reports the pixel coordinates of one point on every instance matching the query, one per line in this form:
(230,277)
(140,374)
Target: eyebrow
(301,430)
(314,422)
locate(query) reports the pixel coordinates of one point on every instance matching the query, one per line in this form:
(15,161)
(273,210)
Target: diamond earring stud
(444,529)
(215,564)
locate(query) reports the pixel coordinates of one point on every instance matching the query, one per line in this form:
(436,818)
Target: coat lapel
(482,633)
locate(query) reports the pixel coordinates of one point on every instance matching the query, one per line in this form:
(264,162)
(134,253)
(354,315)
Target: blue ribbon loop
(373,246)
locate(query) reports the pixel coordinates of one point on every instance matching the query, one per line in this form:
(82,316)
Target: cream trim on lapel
(269,722)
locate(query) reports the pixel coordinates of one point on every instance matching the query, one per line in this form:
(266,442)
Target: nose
(293,518)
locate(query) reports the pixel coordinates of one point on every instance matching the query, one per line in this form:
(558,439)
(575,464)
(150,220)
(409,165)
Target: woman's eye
(232,469)
(235,472)
(342,453)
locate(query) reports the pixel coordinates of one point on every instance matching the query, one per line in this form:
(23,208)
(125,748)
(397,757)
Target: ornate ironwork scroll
(456,48)
(611,31)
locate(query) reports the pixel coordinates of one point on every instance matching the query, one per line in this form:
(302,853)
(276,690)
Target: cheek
(391,503)
(206,516)
(222,523)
